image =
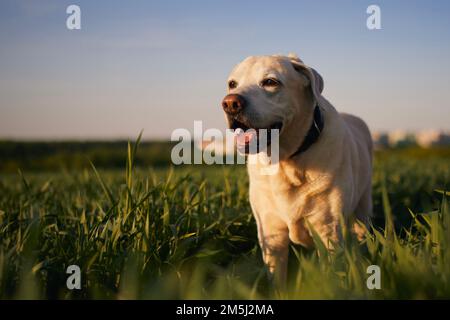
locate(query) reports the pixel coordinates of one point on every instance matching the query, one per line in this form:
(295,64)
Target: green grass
(188,232)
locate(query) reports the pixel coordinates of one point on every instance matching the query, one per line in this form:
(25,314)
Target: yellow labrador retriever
(325,157)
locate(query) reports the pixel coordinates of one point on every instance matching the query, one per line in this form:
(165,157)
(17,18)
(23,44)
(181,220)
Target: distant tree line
(42,156)
(74,155)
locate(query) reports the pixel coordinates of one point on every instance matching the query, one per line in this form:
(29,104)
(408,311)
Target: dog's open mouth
(248,138)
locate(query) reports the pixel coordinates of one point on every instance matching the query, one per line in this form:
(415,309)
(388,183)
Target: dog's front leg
(273,237)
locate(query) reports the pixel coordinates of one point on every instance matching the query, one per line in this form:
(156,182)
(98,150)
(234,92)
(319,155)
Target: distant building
(380,140)
(403,138)
(430,138)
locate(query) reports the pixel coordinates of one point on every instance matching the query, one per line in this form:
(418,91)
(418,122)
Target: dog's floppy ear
(314,77)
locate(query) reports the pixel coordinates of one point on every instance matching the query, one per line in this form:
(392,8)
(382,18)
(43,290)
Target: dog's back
(359,130)
(361,137)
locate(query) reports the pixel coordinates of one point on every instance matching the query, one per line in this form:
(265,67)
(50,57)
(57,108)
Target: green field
(155,232)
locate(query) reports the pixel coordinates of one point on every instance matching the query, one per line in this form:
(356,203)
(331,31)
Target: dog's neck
(313,133)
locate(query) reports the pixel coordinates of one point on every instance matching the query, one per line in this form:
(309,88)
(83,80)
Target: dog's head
(271,92)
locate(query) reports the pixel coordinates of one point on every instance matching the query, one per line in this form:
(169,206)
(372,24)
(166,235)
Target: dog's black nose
(233,103)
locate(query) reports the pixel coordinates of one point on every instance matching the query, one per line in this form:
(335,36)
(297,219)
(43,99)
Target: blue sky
(160,65)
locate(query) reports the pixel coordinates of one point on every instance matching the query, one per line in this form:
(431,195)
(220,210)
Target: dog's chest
(292,196)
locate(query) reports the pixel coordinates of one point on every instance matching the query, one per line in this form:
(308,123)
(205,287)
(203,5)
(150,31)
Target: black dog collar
(313,132)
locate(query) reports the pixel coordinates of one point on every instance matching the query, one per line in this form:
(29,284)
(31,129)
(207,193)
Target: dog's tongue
(243,138)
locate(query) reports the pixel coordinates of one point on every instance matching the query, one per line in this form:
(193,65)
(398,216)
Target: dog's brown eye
(270,82)
(232,84)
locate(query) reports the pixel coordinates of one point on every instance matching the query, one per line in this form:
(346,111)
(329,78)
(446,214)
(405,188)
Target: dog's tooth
(238,132)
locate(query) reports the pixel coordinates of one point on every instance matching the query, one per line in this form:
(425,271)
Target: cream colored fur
(332,178)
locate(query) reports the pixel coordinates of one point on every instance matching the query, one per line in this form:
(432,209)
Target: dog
(325,157)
